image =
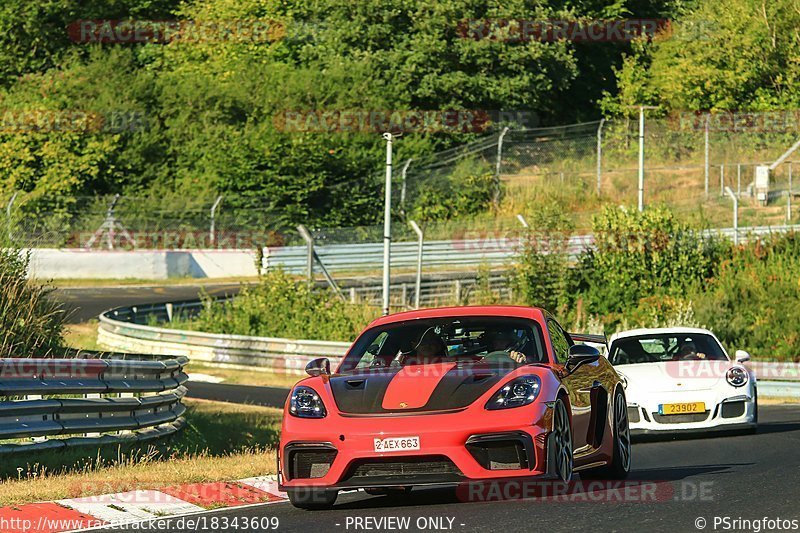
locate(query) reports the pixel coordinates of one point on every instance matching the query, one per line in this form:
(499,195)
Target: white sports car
(682,379)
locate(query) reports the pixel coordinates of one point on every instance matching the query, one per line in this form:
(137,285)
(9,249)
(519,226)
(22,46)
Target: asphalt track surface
(220,392)
(744,477)
(85,303)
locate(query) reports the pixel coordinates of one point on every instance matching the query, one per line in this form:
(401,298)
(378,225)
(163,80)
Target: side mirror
(319,367)
(581,354)
(741,356)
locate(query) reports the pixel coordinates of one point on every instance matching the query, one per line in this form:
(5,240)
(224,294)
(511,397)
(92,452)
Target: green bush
(641,254)
(753,301)
(467,191)
(280,306)
(541,277)
(30,321)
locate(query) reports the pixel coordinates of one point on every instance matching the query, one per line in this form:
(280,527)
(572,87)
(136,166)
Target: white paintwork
(652,384)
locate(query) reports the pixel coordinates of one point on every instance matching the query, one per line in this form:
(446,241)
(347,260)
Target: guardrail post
(457,292)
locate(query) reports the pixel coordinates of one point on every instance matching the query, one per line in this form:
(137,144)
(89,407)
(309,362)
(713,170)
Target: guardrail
(495,248)
(57,403)
(118,330)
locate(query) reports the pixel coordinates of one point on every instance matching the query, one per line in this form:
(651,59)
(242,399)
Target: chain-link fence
(476,187)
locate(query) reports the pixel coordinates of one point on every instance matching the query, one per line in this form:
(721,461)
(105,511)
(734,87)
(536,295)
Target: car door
(584,388)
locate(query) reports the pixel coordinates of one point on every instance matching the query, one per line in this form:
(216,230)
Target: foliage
(738,55)
(280,306)
(31,322)
(541,276)
(640,254)
(753,301)
(464,192)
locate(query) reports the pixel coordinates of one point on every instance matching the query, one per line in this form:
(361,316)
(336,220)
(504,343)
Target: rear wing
(600,341)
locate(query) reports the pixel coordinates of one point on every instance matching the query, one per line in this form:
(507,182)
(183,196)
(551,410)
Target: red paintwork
(413,385)
(219,494)
(44,518)
(446,433)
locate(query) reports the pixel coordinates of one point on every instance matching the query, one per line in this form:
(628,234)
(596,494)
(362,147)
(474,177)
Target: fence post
(458,292)
(735,215)
(212,230)
(403,187)
(739,180)
(705,168)
(420,243)
(600,155)
(301,229)
(722,180)
(789,197)
(8,217)
(498,165)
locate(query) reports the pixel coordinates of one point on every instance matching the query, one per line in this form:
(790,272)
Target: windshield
(440,340)
(666,347)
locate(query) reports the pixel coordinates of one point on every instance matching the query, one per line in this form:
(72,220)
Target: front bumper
(725,410)
(455,448)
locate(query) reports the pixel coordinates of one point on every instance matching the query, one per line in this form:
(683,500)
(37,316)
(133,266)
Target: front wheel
(312,499)
(620,464)
(562,439)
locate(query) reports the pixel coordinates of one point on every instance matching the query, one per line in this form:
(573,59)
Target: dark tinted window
(665,347)
(460,339)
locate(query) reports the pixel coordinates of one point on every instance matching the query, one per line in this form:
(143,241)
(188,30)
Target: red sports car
(452,396)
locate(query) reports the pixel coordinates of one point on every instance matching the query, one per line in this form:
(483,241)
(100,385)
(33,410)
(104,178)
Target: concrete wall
(141,264)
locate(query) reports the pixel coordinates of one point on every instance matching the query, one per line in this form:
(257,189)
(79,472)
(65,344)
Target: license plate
(681,408)
(397,444)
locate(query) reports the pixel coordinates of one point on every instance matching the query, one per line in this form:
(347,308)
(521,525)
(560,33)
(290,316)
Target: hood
(674,375)
(414,388)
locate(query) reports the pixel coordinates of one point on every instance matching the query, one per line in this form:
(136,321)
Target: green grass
(221,442)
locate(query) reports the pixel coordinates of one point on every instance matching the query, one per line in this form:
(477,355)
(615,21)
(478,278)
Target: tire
(562,433)
(312,499)
(620,464)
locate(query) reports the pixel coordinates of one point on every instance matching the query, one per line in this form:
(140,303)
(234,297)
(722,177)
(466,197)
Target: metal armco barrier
(57,403)
(490,248)
(264,353)
(119,331)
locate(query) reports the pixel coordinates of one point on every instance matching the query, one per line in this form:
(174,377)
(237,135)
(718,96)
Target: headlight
(516,393)
(306,403)
(736,376)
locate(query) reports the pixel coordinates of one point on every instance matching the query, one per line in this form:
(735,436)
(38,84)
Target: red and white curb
(137,505)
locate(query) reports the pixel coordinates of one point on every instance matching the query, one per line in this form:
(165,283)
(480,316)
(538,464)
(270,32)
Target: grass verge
(236,376)
(221,442)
